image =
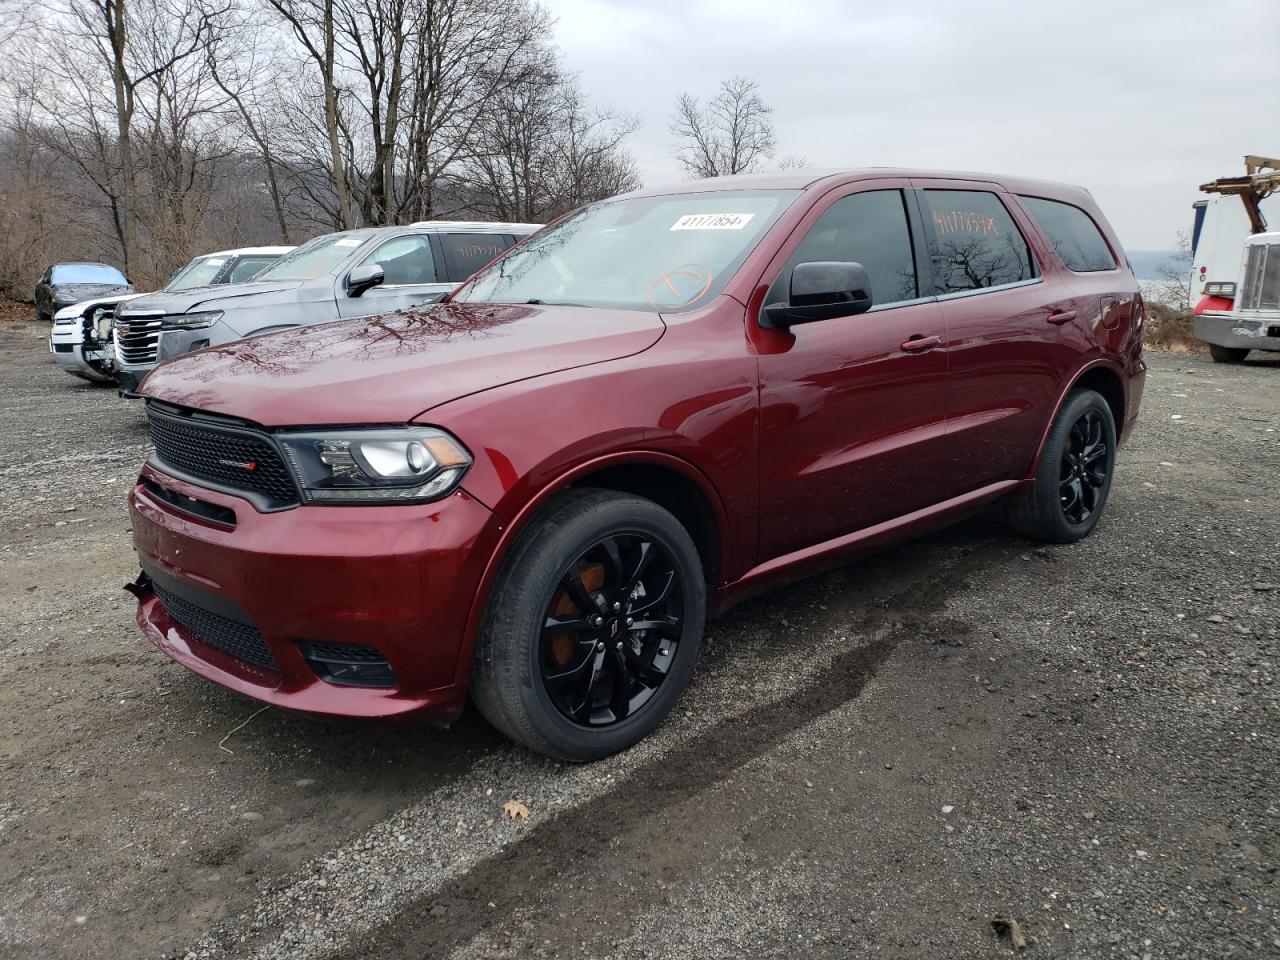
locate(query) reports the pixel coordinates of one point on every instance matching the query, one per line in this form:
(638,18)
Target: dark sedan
(66,283)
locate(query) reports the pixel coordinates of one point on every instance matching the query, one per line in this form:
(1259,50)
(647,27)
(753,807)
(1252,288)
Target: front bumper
(397,579)
(66,344)
(1232,330)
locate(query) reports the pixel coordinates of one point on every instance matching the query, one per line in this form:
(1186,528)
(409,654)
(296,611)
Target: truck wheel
(1073,478)
(593,627)
(1227,354)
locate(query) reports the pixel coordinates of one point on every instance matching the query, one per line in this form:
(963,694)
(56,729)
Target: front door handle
(919,344)
(1059,317)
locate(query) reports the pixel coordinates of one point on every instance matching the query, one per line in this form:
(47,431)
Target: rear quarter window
(1073,234)
(468,252)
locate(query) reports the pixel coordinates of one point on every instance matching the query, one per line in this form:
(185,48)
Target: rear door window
(974,242)
(869,228)
(1073,234)
(465,253)
(405,261)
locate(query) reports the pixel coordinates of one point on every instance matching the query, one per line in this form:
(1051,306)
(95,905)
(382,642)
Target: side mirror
(821,290)
(362,278)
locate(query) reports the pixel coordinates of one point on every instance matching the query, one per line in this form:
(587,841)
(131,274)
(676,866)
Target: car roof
(244,252)
(824,179)
(87,263)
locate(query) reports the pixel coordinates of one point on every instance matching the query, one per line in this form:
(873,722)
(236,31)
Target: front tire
(1227,354)
(1073,479)
(593,627)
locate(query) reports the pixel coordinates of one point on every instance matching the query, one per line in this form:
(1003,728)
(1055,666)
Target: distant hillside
(1147,263)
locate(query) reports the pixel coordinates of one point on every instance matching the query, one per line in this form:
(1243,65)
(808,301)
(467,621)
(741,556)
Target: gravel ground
(875,763)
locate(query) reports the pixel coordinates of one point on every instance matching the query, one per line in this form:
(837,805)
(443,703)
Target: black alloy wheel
(1085,469)
(592,630)
(612,629)
(1068,494)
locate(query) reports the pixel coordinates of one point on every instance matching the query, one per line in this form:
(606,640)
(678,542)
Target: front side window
(87,273)
(468,252)
(1073,234)
(974,242)
(314,258)
(868,228)
(662,254)
(404,260)
(200,272)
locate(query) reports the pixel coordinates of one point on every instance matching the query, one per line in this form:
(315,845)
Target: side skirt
(820,557)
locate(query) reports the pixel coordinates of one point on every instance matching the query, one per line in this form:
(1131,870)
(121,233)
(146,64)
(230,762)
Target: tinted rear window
(975,243)
(1073,234)
(468,252)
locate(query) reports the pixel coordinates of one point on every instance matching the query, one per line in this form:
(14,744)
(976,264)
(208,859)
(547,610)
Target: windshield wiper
(555,303)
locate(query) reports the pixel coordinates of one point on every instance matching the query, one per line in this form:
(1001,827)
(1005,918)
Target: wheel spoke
(620,679)
(644,672)
(666,626)
(577,590)
(657,598)
(557,625)
(646,550)
(617,572)
(564,679)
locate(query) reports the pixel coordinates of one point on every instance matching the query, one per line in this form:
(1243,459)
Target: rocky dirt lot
(876,763)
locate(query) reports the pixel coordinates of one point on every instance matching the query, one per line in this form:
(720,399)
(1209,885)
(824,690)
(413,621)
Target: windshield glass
(646,253)
(87,273)
(198,273)
(314,258)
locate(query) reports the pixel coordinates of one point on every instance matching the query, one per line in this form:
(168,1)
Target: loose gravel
(874,763)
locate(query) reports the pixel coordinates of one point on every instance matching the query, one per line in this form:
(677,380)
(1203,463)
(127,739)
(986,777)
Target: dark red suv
(664,403)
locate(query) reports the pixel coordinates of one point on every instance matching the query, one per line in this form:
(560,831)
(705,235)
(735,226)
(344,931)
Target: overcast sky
(1138,100)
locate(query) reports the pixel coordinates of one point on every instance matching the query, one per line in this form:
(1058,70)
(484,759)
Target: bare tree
(1174,286)
(540,150)
(731,134)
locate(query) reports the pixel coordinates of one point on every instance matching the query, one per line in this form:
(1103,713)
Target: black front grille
(224,456)
(137,341)
(239,640)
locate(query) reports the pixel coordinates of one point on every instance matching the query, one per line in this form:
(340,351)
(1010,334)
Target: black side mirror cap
(363,278)
(821,290)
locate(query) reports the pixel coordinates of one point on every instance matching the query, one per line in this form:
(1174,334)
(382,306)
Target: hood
(75,292)
(81,307)
(389,369)
(184,301)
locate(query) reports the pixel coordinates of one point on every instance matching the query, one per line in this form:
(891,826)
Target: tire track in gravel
(443,920)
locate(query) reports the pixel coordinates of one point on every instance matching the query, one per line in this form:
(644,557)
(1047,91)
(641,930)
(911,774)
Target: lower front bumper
(397,580)
(1229,330)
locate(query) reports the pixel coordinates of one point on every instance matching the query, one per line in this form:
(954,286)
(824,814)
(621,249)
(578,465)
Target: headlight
(190,321)
(399,465)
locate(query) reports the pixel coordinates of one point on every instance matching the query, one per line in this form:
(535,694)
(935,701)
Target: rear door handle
(1061,316)
(920,344)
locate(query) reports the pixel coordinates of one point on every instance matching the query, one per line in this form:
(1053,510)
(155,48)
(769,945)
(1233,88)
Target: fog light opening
(348,665)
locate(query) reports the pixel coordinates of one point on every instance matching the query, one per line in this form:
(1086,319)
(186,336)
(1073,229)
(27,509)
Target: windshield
(87,273)
(198,273)
(314,258)
(646,253)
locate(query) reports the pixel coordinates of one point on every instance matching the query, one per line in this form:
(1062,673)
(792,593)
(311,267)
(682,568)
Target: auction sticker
(712,221)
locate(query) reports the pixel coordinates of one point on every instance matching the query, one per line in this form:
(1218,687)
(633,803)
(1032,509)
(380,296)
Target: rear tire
(1073,477)
(637,565)
(1227,354)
